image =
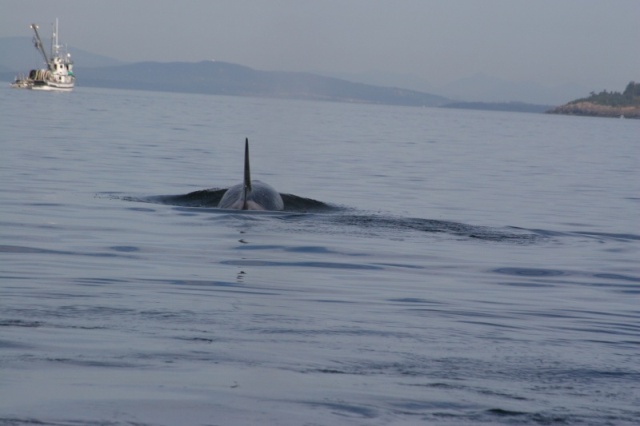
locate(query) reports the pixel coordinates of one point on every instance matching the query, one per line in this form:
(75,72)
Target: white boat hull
(49,87)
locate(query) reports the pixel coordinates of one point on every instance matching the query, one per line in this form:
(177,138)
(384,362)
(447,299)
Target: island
(605,104)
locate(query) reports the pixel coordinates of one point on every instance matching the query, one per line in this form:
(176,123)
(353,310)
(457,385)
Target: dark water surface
(431,266)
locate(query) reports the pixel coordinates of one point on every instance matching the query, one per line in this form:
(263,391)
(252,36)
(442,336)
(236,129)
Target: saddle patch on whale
(257,196)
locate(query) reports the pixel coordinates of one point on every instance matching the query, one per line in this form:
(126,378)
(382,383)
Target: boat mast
(38,44)
(54,40)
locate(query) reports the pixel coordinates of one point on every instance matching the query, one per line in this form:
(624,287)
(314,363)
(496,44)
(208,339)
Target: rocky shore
(595,110)
(605,104)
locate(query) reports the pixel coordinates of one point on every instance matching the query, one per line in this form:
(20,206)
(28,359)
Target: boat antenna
(54,38)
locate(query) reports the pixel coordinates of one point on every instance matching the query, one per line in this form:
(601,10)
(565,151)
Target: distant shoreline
(499,106)
(591,109)
(605,104)
(481,106)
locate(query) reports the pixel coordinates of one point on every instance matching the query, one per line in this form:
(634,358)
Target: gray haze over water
(426,44)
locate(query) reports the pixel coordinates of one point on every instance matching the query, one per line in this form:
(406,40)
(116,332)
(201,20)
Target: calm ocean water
(464,267)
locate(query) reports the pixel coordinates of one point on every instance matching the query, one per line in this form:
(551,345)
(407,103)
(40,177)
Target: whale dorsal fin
(247,174)
(251,195)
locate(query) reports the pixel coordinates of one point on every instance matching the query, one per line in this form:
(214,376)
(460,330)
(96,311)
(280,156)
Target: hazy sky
(592,42)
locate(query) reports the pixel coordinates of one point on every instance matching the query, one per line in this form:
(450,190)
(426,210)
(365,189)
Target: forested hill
(606,104)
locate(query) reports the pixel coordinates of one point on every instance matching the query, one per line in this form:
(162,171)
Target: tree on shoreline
(630,97)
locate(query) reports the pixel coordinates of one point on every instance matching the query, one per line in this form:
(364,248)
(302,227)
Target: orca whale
(251,194)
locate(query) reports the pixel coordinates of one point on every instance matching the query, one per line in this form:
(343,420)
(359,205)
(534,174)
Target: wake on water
(338,218)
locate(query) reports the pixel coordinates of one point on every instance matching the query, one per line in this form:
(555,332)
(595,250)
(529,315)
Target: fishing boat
(59,72)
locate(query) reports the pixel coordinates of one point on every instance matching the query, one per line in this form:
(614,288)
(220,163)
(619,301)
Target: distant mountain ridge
(476,89)
(223,78)
(18,55)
